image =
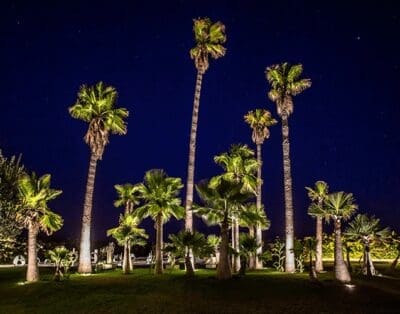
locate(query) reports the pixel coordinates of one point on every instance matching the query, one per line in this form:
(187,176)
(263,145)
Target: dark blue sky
(344,130)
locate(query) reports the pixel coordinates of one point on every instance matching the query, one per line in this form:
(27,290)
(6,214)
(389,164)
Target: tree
(337,206)
(240,168)
(248,247)
(395,241)
(318,195)
(63,260)
(185,242)
(160,194)
(96,106)
(221,202)
(259,121)
(367,230)
(209,38)
(250,217)
(285,83)
(128,196)
(11,171)
(127,234)
(35,215)
(310,248)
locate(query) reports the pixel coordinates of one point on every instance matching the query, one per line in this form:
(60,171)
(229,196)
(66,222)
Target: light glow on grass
(350,286)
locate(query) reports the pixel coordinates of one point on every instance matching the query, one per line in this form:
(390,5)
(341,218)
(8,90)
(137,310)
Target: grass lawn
(259,292)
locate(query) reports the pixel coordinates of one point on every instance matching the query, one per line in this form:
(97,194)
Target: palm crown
(209,38)
(128,231)
(285,83)
(240,167)
(252,215)
(317,195)
(259,120)
(35,193)
(96,105)
(366,229)
(161,194)
(128,196)
(339,205)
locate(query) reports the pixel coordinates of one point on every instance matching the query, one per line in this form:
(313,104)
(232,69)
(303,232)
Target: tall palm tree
(250,217)
(96,106)
(285,83)
(209,38)
(127,234)
(367,230)
(35,215)
(240,167)
(338,206)
(221,202)
(259,121)
(318,195)
(128,196)
(161,196)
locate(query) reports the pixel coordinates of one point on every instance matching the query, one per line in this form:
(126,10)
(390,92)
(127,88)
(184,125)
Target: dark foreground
(141,292)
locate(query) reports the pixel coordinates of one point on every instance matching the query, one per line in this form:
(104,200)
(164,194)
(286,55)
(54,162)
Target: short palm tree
(367,230)
(248,247)
(250,217)
(285,83)
(221,202)
(318,195)
(127,234)
(128,196)
(35,215)
(259,121)
(209,39)
(160,194)
(63,259)
(96,106)
(337,206)
(239,167)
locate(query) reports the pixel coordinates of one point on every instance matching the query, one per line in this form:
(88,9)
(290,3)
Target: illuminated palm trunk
(32,272)
(368,266)
(341,272)
(224,265)
(159,233)
(235,244)
(318,248)
(258,261)
(125,263)
(287,177)
(252,258)
(192,154)
(85,265)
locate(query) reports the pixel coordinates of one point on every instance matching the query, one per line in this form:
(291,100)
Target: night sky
(344,130)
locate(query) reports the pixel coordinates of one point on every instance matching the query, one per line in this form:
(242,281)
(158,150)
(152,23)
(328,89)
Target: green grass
(258,292)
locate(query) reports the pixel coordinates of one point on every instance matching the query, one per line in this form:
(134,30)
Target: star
(358,37)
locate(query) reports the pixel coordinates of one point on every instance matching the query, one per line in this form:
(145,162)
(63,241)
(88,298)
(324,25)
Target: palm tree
(96,106)
(35,215)
(337,206)
(240,167)
(63,259)
(259,121)
(310,246)
(221,202)
(248,247)
(285,83)
(127,234)
(209,38)
(250,217)
(128,196)
(318,195)
(367,230)
(160,194)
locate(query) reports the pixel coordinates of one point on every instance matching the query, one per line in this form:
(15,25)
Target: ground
(264,291)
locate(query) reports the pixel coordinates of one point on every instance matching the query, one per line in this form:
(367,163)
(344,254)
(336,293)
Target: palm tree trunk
(188,264)
(341,272)
(192,153)
(252,258)
(85,265)
(395,261)
(368,266)
(348,260)
(125,263)
(235,244)
(312,271)
(159,235)
(259,264)
(130,257)
(32,272)
(318,248)
(224,266)
(290,266)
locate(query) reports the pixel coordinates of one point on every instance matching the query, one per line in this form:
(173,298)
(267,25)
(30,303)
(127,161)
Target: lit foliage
(128,232)
(285,83)
(128,196)
(209,38)
(63,260)
(35,193)
(259,121)
(96,106)
(317,195)
(337,206)
(251,215)
(195,241)
(367,230)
